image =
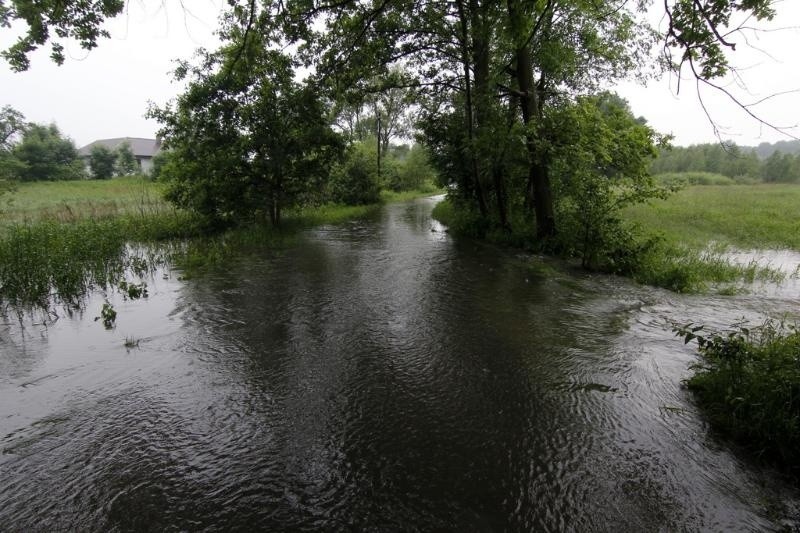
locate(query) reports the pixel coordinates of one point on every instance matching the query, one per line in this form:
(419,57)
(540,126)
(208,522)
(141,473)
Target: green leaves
(701,30)
(52,21)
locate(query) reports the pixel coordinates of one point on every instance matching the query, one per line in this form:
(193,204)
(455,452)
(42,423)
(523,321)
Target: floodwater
(376,376)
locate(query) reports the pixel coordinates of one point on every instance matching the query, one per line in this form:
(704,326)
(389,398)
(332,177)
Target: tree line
(767,163)
(40,152)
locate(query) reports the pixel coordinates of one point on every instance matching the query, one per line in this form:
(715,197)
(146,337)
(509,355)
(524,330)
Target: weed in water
(748,383)
(108,315)
(133,291)
(131,342)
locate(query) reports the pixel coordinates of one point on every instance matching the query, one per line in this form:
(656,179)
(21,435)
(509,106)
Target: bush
(749,384)
(695,178)
(355,181)
(102,161)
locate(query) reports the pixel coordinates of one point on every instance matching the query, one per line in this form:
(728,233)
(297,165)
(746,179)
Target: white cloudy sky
(104,93)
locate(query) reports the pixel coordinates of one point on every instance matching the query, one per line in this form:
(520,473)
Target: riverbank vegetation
(749,385)
(59,240)
(648,252)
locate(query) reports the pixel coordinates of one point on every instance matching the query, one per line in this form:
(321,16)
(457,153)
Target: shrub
(695,178)
(355,181)
(749,384)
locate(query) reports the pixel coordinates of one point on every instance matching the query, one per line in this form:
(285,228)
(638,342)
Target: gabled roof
(140,147)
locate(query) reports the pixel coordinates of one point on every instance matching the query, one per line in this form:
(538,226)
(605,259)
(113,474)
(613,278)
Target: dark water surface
(378,376)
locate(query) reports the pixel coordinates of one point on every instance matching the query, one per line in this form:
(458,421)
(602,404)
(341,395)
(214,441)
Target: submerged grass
(749,385)
(59,240)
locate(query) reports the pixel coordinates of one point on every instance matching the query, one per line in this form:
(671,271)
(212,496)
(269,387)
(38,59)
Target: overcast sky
(104,93)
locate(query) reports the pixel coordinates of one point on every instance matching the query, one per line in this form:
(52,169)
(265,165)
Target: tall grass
(747,216)
(70,201)
(749,384)
(51,261)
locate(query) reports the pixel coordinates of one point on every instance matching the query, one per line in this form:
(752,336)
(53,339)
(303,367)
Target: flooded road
(377,376)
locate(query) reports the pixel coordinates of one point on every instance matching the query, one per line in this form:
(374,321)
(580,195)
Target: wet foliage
(749,384)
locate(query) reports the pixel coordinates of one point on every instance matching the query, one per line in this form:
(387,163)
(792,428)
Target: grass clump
(684,269)
(749,384)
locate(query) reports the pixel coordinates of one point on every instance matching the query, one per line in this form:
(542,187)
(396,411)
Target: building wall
(146,165)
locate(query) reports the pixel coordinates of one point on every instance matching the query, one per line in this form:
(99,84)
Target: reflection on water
(379,375)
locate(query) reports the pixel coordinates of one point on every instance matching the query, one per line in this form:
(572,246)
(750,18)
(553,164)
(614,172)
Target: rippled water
(377,376)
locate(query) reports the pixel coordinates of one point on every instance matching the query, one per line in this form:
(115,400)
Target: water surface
(383,376)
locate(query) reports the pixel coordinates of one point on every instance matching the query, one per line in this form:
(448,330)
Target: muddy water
(376,376)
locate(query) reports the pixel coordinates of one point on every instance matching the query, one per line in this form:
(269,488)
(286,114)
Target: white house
(143,150)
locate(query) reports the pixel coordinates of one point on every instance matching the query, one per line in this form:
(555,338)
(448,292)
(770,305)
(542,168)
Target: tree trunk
(539,194)
(468,111)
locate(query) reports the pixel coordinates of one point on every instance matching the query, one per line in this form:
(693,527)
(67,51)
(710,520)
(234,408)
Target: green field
(744,216)
(66,201)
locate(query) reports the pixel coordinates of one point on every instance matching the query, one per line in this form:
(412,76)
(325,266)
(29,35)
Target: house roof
(140,147)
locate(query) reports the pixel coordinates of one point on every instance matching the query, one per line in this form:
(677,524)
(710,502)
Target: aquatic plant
(108,315)
(748,383)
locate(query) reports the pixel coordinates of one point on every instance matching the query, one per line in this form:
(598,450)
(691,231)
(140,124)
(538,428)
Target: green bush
(413,172)
(749,384)
(695,178)
(355,181)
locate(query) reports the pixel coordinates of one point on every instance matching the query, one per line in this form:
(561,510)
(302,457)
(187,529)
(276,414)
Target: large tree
(246,139)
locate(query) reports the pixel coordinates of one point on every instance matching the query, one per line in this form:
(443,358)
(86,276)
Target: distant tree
(126,161)
(12,126)
(102,161)
(45,154)
(778,168)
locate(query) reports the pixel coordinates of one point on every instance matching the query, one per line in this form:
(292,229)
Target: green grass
(745,216)
(427,189)
(749,385)
(59,240)
(68,201)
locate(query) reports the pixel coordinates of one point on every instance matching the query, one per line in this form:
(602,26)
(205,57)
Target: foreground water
(377,376)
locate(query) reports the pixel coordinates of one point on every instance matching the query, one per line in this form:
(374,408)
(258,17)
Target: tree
(246,139)
(45,154)
(778,168)
(126,162)
(53,21)
(600,158)
(12,126)
(102,162)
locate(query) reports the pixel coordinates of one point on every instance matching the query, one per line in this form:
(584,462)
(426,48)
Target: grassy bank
(748,383)
(661,259)
(61,239)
